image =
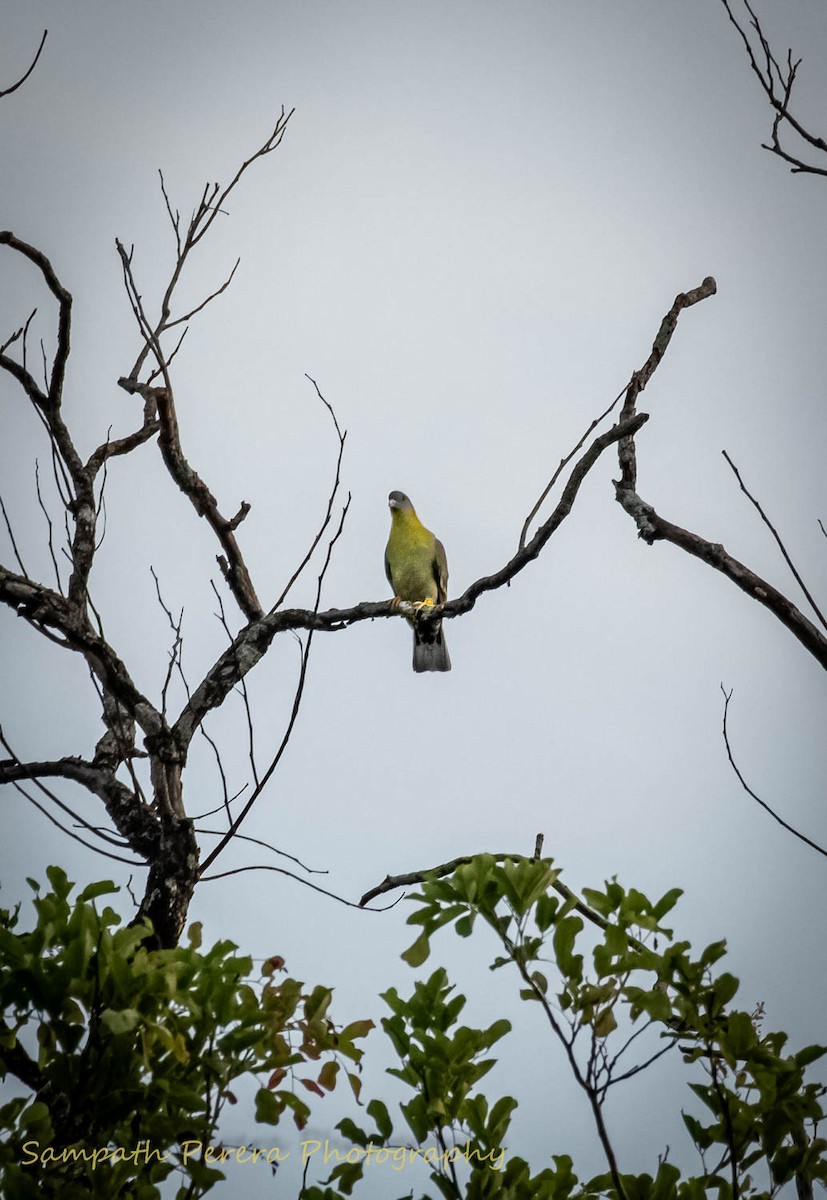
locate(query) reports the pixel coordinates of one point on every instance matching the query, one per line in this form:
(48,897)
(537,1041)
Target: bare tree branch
(563,463)
(199,307)
(814,845)
(331,499)
(10,532)
(187,479)
(134,821)
(8,91)
(64,300)
(652,527)
(47,610)
(297,699)
(777,83)
(253,841)
(781,545)
(299,879)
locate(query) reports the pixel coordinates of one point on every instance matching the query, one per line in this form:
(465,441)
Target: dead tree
(137,767)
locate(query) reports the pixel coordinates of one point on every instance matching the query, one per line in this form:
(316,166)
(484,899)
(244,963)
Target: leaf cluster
(618,992)
(131,1049)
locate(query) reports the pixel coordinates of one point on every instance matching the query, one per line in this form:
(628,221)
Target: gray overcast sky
(478,216)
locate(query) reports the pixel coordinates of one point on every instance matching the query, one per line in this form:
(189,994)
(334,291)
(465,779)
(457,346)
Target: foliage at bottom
(126,1056)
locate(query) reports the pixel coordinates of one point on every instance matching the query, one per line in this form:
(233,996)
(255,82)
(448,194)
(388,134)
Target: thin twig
(50,795)
(45,512)
(564,462)
(306,882)
(23,570)
(8,91)
(241,688)
(774,533)
(297,699)
(748,789)
(243,837)
(133,862)
(330,502)
(193,311)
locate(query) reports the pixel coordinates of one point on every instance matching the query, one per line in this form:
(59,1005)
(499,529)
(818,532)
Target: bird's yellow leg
(423,603)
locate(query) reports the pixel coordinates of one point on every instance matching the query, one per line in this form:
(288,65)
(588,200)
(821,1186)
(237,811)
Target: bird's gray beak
(393,504)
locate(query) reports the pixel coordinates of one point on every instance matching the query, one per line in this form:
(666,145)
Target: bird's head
(399,502)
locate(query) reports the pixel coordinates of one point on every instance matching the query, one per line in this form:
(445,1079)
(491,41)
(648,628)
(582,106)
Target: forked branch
(652,527)
(777,80)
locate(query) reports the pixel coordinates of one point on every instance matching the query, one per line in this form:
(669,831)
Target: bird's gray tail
(431,654)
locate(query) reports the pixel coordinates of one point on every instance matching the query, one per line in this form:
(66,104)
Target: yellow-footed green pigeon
(417,570)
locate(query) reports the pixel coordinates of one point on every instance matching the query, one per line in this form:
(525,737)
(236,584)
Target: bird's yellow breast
(410,559)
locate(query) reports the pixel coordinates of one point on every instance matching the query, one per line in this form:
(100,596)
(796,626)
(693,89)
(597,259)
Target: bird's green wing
(440,571)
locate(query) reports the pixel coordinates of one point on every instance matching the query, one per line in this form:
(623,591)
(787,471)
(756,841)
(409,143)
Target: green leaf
(269,1107)
(599,901)
(119,1021)
(545,912)
(809,1054)
(712,953)
(565,934)
(327,1075)
(357,1029)
(102,888)
(379,1112)
(700,1136)
(352,1132)
(540,981)
(667,902)
(604,1023)
(724,988)
(60,882)
(417,954)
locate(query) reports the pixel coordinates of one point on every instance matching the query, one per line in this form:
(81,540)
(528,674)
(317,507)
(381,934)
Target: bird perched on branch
(417,570)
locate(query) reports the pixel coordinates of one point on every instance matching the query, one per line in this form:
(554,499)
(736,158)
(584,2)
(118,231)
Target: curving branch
(8,91)
(652,527)
(802,837)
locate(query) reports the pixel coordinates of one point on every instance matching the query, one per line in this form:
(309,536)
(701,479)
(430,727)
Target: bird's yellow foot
(423,604)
